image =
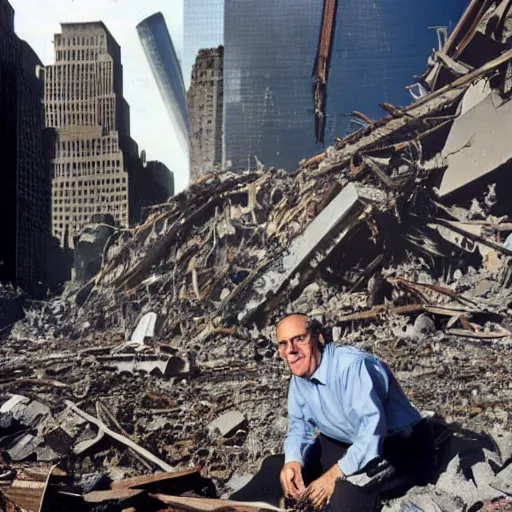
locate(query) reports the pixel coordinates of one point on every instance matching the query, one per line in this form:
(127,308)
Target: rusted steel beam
(321,68)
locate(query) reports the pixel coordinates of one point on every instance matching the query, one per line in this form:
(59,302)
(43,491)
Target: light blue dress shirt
(352,397)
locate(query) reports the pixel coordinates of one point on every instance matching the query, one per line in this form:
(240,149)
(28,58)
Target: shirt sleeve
(301,432)
(363,406)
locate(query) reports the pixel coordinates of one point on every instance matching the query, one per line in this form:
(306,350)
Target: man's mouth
(293,361)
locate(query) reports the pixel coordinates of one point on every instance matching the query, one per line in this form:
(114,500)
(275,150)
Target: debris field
(154,384)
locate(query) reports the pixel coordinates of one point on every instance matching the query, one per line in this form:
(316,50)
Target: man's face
(297,346)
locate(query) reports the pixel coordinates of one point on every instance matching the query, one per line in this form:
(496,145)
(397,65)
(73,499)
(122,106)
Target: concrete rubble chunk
(471,153)
(145,328)
(503,481)
(453,482)
(503,441)
(483,476)
(226,424)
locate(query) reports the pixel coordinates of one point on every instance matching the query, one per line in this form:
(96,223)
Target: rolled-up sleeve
(301,432)
(363,405)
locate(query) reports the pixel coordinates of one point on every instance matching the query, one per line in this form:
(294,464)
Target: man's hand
(291,480)
(322,489)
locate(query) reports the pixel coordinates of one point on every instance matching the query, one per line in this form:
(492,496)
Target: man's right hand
(291,480)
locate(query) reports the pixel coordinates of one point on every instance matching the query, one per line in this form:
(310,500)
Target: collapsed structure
(396,238)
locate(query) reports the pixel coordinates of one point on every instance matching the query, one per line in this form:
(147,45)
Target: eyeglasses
(299,339)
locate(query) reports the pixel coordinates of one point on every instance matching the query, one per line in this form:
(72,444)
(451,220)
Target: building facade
(34,174)
(205,106)
(271,49)
(25,190)
(95,160)
(165,66)
(9,71)
(203,27)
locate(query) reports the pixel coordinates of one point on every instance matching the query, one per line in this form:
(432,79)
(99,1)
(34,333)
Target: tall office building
(96,168)
(25,189)
(271,49)
(166,69)
(203,27)
(205,105)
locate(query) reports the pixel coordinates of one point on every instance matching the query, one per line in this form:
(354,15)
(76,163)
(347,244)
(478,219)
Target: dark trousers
(410,461)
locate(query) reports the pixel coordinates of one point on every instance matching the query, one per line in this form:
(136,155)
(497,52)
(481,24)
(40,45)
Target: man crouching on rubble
(365,422)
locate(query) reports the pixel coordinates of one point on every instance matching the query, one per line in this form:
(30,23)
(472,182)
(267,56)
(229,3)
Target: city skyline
(150,125)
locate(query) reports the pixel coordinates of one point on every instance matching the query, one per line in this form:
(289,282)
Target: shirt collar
(320,374)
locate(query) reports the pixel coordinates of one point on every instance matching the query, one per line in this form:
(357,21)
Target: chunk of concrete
(472,152)
(24,448)
(453,482)
(503,441)
(503,481)
(226,424)
(484,476)
(27,412)
(145,328)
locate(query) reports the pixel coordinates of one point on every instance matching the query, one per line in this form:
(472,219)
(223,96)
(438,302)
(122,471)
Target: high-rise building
(96,168)
(25,190)
(166,69)
(205,105)
(203,27)
(271,48)
(34,175)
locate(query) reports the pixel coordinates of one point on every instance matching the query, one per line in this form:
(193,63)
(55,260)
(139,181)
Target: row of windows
(85,192)
(72,106)
(87,183)
(120,199)
(73,55)
(79,41)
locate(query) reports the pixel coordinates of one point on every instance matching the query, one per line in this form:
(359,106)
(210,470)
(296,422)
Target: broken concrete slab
(472,152)
(145,328)
(453,482)
(484,476)
(503,441)
(503,481)
(226,424)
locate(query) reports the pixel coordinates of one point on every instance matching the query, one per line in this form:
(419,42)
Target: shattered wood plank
(122,439)
(112,495)
(401,310)
(477,238)
(36,382)
(435,288)
(415,111)
(479,335)
(213,505)
(313,161)
(27,491)
(141,481)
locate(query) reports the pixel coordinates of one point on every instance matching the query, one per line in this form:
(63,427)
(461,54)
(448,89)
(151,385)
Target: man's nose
(291,348)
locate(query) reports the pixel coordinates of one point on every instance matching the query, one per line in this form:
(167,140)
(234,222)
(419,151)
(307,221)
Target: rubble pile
(396,239)
(11,308)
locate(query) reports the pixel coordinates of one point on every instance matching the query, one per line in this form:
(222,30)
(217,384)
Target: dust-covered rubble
(164,360)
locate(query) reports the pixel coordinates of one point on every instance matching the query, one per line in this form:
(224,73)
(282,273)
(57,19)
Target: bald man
(346,413)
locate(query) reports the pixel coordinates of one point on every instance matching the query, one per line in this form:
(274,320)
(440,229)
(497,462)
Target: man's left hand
(321,490)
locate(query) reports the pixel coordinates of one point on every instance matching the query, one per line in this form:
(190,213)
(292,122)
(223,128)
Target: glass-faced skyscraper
(271,48)
(163,60)
(203,28)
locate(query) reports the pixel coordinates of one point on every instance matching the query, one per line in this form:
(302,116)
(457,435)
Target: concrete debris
(161,354)
(503,481)
(226,424)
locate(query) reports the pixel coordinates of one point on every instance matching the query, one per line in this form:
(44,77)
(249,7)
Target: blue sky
(37,21)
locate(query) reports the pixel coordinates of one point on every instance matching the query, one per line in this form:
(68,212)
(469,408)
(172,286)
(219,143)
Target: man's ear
(321,339)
